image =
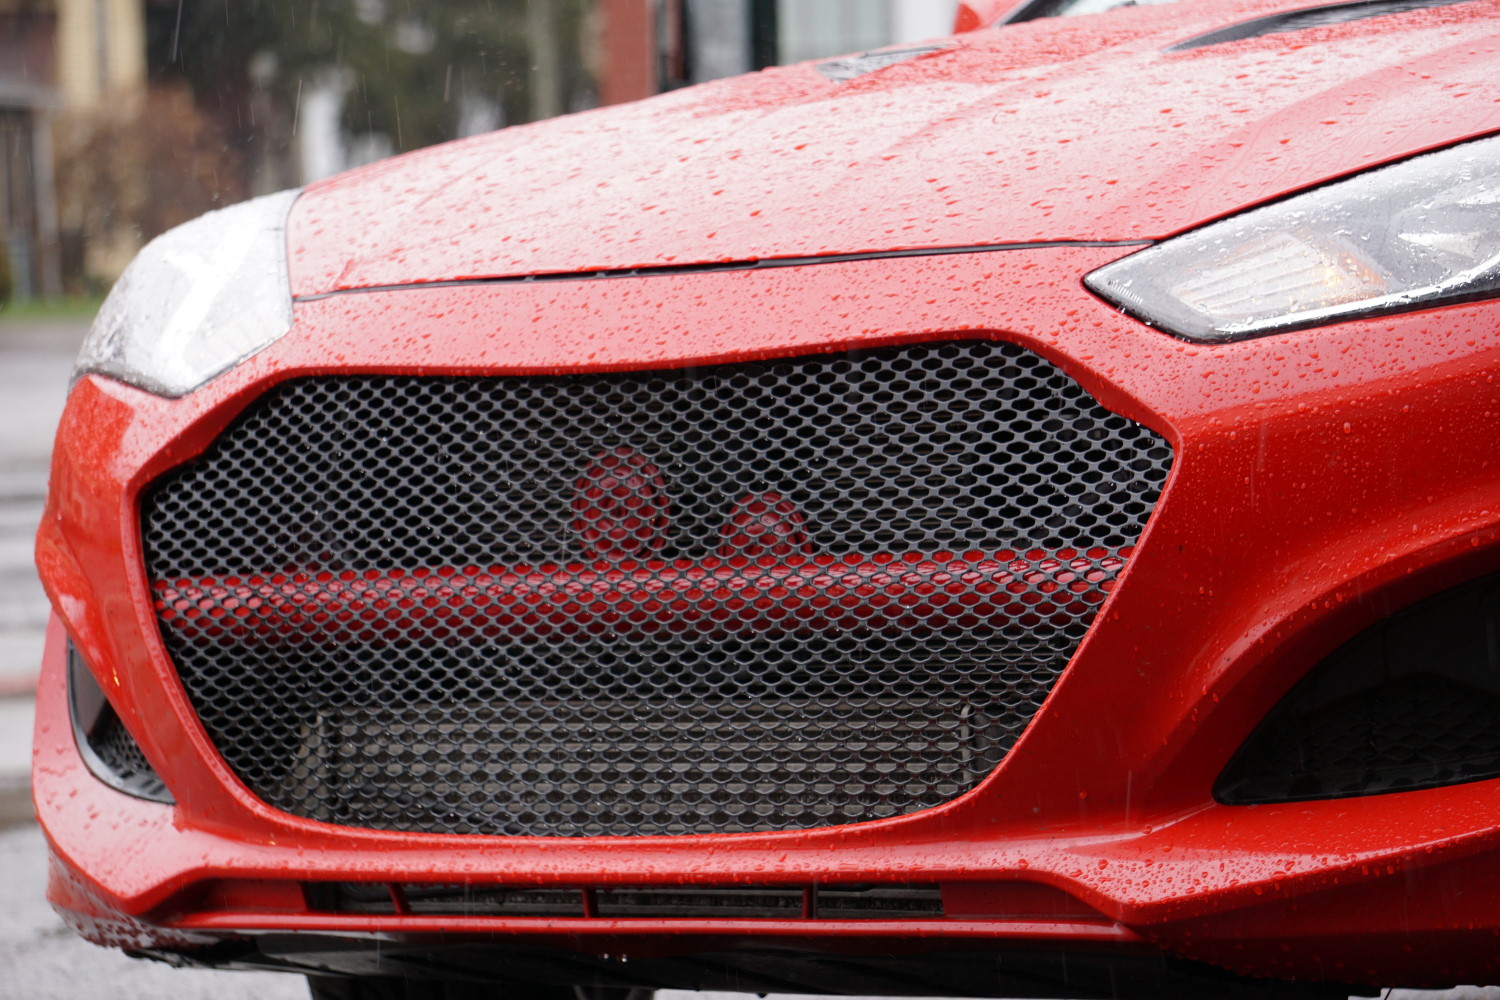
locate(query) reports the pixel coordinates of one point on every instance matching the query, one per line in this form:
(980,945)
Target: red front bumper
(1322,479)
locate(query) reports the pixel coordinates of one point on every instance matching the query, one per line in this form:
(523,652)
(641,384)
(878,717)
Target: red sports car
(1016,515)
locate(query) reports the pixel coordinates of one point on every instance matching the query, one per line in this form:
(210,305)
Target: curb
(18,686)
(15,800)
(16,692)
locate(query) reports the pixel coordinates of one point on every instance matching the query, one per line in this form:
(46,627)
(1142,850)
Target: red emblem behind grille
(621,509)
(764,524)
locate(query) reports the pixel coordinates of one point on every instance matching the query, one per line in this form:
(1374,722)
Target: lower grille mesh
(749,735)
(753,597)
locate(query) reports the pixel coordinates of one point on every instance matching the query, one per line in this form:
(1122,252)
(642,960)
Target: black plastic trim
(851,964)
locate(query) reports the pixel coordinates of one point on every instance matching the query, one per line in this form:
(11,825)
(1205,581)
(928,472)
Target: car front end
(655,575)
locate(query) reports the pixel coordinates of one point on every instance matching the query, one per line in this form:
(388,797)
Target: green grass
(50,310)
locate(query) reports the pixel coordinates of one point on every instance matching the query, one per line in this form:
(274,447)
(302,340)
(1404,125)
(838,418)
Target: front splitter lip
(999,930)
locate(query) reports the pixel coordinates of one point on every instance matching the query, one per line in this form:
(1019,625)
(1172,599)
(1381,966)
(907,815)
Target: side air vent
(1412,702)
(1308,17)
(108,749)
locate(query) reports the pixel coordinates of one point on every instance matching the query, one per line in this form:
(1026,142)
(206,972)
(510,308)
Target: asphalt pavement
(39,958)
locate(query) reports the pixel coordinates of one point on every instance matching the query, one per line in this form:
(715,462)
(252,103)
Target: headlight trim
(197,300)
(1343,239)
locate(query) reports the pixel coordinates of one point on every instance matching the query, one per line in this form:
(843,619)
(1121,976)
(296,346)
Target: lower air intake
(764,596)
(1412,702)
(835,902)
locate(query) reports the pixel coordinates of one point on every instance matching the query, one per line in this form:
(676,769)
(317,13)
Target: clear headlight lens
(197,301)
(1419,233)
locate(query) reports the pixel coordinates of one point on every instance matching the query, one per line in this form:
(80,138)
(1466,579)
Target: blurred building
(60,60)
(654,45)
(632,49)
(121,118)
(28,99)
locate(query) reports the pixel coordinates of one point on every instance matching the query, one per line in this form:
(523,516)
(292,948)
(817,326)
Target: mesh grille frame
(951,515)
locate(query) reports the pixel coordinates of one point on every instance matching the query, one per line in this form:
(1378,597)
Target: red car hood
(1082,128)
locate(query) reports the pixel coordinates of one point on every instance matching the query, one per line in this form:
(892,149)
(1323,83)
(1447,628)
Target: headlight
(1416,234)
(197,300)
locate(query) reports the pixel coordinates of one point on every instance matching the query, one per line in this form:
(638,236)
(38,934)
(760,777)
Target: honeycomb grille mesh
(762,596)
(119,752)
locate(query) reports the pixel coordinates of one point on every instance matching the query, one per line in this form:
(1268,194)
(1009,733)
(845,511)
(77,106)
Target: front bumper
(1323,479)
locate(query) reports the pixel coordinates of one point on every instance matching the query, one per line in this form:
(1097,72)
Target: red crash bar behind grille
(708,597)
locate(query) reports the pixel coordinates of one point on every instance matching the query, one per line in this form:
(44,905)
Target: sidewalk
(36,358)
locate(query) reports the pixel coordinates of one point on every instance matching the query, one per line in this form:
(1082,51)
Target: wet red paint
(1322,479)
(975,14)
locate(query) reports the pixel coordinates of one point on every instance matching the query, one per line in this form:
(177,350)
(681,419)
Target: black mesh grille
(118,751)
(751,597)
